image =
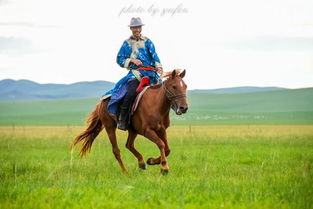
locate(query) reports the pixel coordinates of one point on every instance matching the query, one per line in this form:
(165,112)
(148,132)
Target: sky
(220,43)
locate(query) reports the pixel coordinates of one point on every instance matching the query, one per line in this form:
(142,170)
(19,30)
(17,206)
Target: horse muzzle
(180,109)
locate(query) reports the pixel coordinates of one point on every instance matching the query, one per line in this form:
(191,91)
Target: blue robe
(142,49)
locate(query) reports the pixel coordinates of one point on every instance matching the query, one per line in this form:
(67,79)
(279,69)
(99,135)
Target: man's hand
(160,70)
(136,62)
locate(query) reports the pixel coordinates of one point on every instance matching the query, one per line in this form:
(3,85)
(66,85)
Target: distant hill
(26,90)
(293,106)
(236,90)
(17,90)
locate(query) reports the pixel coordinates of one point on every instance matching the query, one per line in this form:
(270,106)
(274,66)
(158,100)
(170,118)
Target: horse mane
(156,86)
(168,74)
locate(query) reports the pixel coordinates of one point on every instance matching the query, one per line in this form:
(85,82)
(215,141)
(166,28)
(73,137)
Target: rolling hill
(270,101)
(237,90)
(26,90)
(18,90)
(270,107)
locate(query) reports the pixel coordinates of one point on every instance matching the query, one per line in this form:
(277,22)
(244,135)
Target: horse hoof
(164,172)
(149,161)
(142,166)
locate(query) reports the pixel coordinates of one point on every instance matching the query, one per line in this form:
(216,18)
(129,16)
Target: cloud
(26,24)
(14,45)
(2,2)
(270,43)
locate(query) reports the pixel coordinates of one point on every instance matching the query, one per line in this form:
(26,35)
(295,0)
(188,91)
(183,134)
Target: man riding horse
(152,116)
(138,55)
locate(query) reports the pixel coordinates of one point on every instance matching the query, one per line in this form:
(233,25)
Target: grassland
(250,150)
(237,166)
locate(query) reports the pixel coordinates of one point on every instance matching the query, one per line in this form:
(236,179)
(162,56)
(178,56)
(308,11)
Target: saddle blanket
(136,101)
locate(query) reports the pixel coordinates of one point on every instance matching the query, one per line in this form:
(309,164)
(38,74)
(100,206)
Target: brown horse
(151,119)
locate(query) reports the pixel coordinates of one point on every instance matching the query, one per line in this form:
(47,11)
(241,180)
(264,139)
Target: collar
(140,38)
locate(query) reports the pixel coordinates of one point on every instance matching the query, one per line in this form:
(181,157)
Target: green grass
(210,167)
(204,117)
(47,112)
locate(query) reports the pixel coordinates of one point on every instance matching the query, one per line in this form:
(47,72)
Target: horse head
(175,90)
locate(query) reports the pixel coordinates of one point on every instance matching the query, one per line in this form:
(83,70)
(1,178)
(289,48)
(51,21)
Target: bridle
(169,95)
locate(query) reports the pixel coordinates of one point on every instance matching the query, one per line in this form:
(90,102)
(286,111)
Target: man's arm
(154,56)
(123,55)
(136,62)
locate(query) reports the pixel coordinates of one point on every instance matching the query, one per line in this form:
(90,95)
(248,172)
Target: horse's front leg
(155,161)
(153,136)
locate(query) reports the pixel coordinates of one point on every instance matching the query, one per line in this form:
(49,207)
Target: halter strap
(170,96)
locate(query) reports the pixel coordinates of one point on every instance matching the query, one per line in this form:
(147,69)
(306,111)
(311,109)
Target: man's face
(136,31)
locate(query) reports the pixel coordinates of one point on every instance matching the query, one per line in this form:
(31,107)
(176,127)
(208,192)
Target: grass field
(234,166)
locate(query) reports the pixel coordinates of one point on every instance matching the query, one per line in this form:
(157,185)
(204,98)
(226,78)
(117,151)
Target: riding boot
(123,120)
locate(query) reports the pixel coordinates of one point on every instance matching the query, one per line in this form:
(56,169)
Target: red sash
(147,68)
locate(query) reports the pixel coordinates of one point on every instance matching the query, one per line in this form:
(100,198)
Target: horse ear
(182,74)
(173,74)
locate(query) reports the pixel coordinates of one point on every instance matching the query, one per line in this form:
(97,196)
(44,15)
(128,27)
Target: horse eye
(174,87)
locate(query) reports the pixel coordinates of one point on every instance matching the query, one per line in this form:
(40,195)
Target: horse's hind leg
(116,151)
(110,127)
(130,145)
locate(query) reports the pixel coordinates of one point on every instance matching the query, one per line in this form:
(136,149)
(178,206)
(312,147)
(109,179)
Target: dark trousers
(130,95)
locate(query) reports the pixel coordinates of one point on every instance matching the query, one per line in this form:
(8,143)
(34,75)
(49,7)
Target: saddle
(141,89)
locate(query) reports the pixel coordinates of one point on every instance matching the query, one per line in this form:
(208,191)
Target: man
(138,55)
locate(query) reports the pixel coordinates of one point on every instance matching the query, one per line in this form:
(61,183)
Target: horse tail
(95,126)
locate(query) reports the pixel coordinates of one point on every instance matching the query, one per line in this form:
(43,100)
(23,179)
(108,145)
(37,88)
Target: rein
(170,96)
